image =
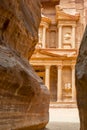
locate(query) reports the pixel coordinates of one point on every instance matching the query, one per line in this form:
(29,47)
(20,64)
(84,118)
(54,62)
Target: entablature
(67,23)
(54,54)
(63,16)
(60,62)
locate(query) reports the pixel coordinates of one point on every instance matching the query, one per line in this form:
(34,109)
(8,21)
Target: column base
(60,101)
(73,100)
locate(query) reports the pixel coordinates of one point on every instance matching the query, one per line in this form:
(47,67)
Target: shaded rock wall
(19,22)
(81,82)
(24,100)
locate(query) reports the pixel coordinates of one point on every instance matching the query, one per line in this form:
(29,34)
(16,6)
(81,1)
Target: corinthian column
(73,36)
(73,84)
(59,84)
(47,76)
(60,37)
(44,37)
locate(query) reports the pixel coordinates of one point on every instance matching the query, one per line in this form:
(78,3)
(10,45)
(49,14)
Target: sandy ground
(63,119)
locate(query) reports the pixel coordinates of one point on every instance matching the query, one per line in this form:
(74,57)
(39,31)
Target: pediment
(62,15)
(59,53)
(49,53)
(45,19)
(40,54)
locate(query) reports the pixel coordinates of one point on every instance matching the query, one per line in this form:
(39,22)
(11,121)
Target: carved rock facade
(24,100)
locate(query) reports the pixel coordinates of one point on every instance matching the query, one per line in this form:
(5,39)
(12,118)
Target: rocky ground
(63,119)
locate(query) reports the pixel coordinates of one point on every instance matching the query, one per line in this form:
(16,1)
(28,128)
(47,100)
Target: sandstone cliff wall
(24,100)
(81,82)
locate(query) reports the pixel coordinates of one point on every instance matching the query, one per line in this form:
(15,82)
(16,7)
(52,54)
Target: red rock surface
(19,22)
(81,82)
(24,100)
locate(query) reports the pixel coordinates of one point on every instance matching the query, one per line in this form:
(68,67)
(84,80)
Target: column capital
(59,67)
(48,66)
(44,27)
(74,26)
(44,24)
(59,25)
(73,66)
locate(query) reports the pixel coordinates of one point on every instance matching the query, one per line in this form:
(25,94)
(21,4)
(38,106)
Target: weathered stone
(19,22)
(24,100)
(81,82)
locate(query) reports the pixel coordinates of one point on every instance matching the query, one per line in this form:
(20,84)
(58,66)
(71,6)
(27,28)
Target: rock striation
(81,82)
(24,100)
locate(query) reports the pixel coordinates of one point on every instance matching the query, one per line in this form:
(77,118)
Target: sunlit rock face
(24,100)
(81,82)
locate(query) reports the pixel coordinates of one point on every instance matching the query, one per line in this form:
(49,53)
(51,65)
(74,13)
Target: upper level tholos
(57,29)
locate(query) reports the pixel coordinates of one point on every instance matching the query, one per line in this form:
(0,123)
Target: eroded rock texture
(81,82)
(24,100)
(19,22)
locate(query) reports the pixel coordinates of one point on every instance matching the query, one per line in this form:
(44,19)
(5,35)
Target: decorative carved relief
(67,36)
(67,86)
